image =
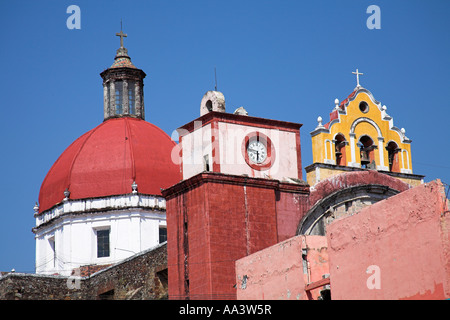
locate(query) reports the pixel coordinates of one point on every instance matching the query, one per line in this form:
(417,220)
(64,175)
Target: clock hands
(257,152)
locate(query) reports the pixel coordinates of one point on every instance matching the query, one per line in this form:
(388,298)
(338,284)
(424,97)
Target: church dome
(108,159)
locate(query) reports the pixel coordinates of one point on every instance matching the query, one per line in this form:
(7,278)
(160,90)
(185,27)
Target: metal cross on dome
(357,76)
(121,35)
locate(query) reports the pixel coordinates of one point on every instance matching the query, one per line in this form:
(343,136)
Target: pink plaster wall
(277,271)
(401,244)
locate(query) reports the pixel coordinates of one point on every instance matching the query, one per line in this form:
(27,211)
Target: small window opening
(102,243)
(131,97)
(118,85)
(206,163)
(163,276)
(348,205)
(209,105)
(162,234)
(108,97)
(325,294)
(364,107)
(108,295)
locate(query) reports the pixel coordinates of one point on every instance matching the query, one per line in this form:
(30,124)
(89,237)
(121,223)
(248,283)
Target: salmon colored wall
(277,272)
(398,248)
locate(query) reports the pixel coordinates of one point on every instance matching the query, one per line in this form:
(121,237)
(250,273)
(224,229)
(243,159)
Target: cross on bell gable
(357,77)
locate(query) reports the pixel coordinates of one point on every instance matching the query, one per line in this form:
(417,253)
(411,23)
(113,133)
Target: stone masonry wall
(140,277)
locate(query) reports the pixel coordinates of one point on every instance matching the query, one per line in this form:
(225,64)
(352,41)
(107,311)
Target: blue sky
(285,60)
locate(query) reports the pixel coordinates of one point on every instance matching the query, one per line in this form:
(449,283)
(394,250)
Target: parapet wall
(398,248)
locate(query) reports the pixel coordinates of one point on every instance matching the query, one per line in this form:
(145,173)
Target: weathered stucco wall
(215,219)
(282,271)
(398,248)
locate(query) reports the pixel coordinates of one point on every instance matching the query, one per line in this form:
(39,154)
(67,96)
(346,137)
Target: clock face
(257,151)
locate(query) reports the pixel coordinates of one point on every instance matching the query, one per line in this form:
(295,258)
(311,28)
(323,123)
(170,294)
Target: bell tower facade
(241,191)
(360,135)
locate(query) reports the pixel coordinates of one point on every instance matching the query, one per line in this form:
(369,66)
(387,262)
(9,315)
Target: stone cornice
(95,205)
(239,119)
(297,186)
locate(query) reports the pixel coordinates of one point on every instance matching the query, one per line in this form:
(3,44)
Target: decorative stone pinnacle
(134,187)
(36,208)
(319,122)
(66,194)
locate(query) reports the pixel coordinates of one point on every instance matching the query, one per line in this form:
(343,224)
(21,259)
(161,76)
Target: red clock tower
(241,190)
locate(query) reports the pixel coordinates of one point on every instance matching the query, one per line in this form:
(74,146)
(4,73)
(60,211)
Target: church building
(227,212)
(243,190)
(101,200)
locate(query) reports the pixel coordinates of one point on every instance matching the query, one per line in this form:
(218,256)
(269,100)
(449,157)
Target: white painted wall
(195,146)
(132,230)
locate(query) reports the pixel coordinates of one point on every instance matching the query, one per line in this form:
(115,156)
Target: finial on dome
(122,51)
(122,59)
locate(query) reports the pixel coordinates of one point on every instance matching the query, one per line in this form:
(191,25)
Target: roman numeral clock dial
(257,151)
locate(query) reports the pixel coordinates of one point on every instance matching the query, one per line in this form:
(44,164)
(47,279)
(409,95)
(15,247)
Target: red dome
(106,160)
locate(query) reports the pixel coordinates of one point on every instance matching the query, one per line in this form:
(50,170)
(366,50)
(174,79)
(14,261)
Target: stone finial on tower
(241,111)
(336,103)
(319,122)
(36,208)
(212,101)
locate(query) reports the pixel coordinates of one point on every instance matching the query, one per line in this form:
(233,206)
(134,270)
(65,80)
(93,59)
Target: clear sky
(285,60)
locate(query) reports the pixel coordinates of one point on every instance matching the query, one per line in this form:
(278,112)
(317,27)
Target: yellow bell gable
(360,135)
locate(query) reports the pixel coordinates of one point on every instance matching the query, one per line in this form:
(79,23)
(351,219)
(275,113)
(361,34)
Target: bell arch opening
(367,147)
(340,142)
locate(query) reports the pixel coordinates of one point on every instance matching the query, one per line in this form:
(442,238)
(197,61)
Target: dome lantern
(123,85)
